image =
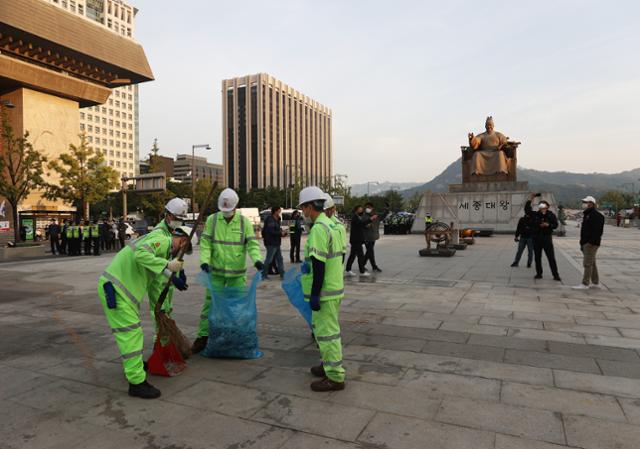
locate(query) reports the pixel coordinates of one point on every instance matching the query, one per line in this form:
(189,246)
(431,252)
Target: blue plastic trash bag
(232,320)
(292,286)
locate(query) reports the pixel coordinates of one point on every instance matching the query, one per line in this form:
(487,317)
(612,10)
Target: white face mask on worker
(174,224)
(228,214)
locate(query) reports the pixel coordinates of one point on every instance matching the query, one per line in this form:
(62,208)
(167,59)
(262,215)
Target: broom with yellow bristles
(172,346)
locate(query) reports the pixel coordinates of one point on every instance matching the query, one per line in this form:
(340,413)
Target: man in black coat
(54,237)
(272,235)
(543,223)
(356,238)
(590,238)
(524,239)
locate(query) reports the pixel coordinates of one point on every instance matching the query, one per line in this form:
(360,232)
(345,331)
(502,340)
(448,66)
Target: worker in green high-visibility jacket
(175,212)
(224,244)
(94,233)
(323,287)
(122,287)
(330,212)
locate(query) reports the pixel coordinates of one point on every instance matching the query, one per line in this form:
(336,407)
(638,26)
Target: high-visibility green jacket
(95,231)
(224,246)
(428,220)
(342,231)
(138,265)
(70,232)
(326,245)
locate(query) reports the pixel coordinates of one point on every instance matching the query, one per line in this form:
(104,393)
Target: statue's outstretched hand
(471,136)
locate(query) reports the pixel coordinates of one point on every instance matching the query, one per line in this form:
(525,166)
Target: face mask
(228,214)
(368,211)
(173,224)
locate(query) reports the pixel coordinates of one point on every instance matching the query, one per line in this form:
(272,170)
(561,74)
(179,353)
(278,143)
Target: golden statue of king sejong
(490,151)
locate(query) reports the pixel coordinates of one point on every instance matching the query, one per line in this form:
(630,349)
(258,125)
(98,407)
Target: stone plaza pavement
(460,353)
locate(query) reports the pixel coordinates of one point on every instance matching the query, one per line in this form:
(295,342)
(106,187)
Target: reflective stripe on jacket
(224,246)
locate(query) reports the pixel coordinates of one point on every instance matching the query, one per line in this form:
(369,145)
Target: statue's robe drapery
(487,159)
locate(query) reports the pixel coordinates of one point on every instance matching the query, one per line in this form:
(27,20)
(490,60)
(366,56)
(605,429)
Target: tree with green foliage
(21,169)
(84,177)
(413,203)
(619,200)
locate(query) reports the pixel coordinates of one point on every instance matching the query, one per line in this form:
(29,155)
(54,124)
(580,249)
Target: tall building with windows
(111,128)
(273,135)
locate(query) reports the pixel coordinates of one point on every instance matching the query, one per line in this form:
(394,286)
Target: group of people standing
(73,238)
(535,230)
(146,264)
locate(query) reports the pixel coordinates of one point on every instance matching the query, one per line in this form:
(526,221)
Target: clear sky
(407,80)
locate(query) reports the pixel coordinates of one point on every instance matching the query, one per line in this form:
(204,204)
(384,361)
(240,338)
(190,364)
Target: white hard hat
(309,194)
(589,199)
(328,203)
(177,207)
(185,231)
(228,200)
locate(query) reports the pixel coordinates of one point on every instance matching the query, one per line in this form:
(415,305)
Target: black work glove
(314,303)
(110,293)
(180,281)
(259,266)
(205,267)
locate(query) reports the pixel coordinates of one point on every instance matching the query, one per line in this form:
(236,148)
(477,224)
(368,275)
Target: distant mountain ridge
(567,187)
(381,187)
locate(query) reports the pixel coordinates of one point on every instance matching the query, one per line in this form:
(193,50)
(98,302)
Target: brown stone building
(273,135)
(51,64)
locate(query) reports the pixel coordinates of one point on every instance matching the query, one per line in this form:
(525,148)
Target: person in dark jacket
(543,223)
(122,232)
(356,239)
(295,235)
(371,234)
(54,237)
(524,239)
(63,237)
(272,234)
(590,238)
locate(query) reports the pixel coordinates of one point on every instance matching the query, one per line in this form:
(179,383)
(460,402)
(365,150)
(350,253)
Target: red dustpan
(166,360)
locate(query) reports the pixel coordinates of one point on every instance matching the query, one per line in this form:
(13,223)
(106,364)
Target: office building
(184,164)
(273,135)
(111,128)
(53,64)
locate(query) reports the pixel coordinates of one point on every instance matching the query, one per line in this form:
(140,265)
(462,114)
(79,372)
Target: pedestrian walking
(121,289)
(524,238)
(371,235)
(227,238)
(323,287)
(54,237)
(272,235)
(356,239)
(590,239)
(544,222)
(295,236)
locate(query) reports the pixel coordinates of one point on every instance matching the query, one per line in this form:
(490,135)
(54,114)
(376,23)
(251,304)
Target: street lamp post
(206,146)
(288,184)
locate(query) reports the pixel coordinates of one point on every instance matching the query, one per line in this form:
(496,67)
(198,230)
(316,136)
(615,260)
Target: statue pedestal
(482,206)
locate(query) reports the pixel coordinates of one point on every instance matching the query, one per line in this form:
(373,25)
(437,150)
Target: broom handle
(165,291)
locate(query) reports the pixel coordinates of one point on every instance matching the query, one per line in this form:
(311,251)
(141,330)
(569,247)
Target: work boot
(145,366)
(327,384)
(318,371)
(199,344)
(144,390)
(514,264)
